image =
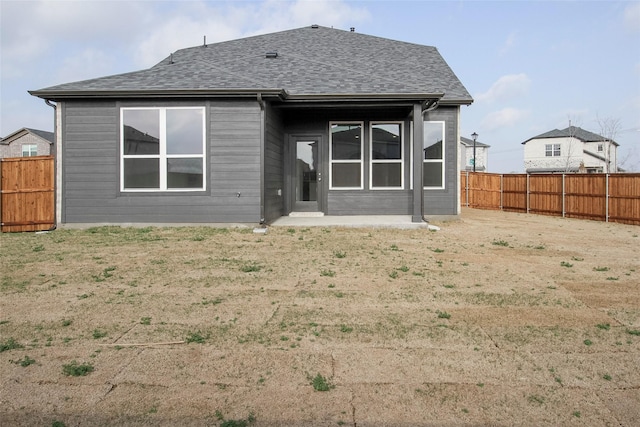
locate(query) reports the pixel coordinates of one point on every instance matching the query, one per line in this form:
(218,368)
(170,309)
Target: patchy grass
(230,320)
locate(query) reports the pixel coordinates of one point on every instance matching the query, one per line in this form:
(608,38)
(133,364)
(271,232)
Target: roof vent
(271,54)
(315,26)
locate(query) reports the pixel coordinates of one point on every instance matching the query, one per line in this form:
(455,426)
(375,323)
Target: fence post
(466,185)
(528,193)
(563,196)
(606,201)
(501,189)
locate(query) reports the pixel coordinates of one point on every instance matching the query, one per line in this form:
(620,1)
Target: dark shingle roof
(42,134)
(571,131)
(48,136)
(469,142)
(310,62)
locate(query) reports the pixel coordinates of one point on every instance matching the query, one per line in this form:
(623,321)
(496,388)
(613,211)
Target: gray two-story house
(313,119)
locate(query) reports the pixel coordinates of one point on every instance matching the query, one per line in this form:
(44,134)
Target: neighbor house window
(552,150)
(29,150)
(600,148)
(386,156)
(345,152)
(433,150)
(163,149)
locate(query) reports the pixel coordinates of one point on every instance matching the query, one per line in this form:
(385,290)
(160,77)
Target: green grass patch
(327,273)
(24,362)
(321,383)
(10,344)
(75,369)
(97,334)
(196,337)
(250,267)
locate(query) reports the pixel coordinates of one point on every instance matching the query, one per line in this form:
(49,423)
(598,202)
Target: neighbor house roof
(469,142)
(47,136)
(310,63)
(572,131)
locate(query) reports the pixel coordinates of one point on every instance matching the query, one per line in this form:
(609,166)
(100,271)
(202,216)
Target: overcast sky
(531,66)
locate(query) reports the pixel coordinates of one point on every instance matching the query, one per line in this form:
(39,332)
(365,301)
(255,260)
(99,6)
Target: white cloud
(506,117)
(127,36)
(632,17)
(187,26)
(86,64)
(505,88)
(509,44)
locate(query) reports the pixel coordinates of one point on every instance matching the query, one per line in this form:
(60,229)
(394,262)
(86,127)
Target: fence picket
(601,197)
(27,194)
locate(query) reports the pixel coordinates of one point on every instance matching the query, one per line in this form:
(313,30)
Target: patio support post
(418,160)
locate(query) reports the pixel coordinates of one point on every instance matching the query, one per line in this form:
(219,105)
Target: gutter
(325,97)
(159,93)
(278,94)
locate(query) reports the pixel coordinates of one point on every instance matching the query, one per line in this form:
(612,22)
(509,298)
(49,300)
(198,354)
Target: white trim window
(29,150)
(433,151)
(386,156)
(552,150)
(345,154)
(162,149)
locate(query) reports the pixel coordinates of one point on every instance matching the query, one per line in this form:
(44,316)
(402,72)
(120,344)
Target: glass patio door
(307,176)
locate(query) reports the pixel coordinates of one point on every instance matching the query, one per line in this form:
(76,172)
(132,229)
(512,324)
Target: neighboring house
(26,143)
(246,131)
(570,150)
(466,155)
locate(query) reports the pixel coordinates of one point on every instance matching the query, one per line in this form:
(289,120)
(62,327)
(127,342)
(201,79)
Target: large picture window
(387,156)
(346,156)
(433,150)
(163,149)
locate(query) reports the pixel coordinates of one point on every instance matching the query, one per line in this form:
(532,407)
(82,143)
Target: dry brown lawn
(496,319)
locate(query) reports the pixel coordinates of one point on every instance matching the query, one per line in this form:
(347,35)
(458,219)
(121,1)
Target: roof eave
(55,95)
(465,101)
(280,94)
(321,97)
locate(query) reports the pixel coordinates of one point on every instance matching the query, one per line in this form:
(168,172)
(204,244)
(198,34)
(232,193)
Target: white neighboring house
(570,150)
(26,143)
(466,155)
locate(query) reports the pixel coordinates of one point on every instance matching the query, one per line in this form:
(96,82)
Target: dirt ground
(495,319)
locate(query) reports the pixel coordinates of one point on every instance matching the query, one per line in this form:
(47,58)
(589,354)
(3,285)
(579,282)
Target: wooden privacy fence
(27,194)
(601,197)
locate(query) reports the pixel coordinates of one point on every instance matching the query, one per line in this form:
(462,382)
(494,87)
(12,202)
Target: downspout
(261,103)
(57,200)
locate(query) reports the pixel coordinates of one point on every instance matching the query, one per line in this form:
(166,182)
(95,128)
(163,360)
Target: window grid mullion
(163,149)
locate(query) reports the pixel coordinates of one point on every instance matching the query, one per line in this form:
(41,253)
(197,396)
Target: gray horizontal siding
(274,165)
(91,168)
(378,202)
(445,201)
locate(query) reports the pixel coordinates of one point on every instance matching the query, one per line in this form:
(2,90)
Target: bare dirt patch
(496,319)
